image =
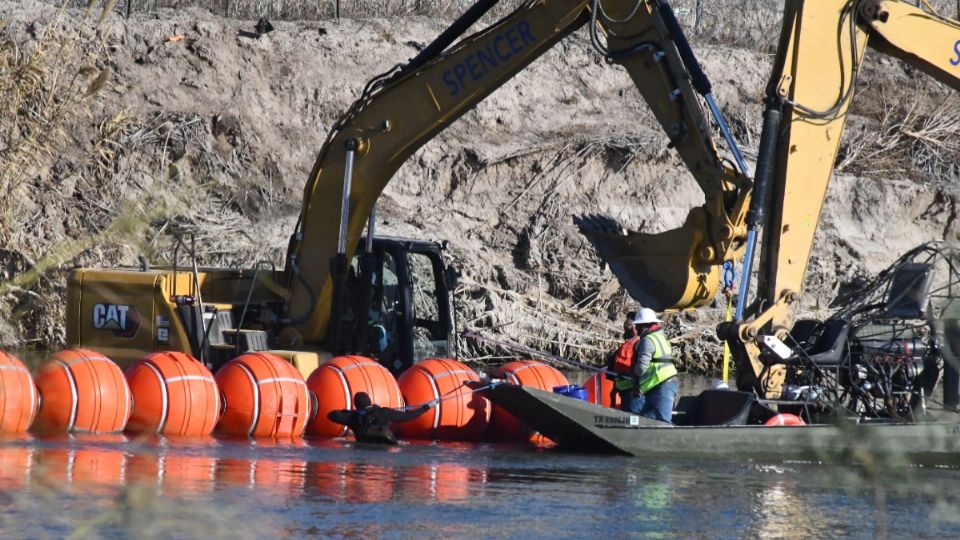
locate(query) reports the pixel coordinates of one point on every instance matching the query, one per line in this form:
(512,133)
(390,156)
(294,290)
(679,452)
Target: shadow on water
(114,486)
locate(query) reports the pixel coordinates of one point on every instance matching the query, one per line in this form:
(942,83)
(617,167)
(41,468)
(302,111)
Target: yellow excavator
(342,292)
(330,299)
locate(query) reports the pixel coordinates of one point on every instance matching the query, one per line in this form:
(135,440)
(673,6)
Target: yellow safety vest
(661,364)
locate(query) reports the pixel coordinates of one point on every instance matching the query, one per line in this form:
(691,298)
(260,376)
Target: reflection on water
(108,485)
(118,487)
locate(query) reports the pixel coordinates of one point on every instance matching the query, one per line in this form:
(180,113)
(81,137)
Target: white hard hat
(646,316)
(719,385)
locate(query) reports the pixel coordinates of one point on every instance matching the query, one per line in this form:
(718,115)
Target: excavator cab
(401,312)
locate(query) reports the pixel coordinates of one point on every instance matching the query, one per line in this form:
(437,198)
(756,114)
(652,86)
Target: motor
(884,373)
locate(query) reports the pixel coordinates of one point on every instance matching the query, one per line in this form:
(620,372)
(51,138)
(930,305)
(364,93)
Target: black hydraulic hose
(759,199)
(766,158)
(448,36)
(295,270)
(611,54)
(700,81)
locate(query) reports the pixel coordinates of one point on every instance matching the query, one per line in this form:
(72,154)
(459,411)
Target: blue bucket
(573,390)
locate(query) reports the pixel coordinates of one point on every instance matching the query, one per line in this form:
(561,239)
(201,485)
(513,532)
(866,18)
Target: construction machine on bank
(342,292)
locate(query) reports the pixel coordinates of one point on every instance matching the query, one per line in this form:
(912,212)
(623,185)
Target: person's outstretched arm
(341,417)
(394,415)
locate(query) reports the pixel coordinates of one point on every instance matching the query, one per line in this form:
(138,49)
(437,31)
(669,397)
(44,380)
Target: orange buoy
(505,426)
(82,391)
(336,382)
(173,394)
(18,395)
(785,419)
(606,387)
(264,396)
(461,413)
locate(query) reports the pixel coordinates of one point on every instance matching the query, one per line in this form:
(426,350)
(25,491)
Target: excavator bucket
(660,271)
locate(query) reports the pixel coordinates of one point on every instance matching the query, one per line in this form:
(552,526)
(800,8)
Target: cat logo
(120,319)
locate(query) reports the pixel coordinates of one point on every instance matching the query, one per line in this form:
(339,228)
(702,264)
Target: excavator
(343,292)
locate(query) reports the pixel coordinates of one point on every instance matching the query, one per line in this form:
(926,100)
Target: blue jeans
(631,401)
(656,404)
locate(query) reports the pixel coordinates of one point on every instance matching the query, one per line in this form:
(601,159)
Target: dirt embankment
(219,130)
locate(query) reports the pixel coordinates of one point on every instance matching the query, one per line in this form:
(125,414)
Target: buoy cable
(450,395)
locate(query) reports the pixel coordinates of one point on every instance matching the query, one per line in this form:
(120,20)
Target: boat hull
(581,426)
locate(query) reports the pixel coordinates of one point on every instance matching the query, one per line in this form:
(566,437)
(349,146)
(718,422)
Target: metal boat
(729,424)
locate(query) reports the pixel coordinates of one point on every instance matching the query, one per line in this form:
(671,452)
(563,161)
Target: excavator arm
(814,78)
(405,108)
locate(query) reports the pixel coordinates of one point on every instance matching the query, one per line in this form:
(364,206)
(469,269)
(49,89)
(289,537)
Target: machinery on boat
(880,355)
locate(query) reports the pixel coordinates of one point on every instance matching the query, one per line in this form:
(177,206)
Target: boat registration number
(631,421)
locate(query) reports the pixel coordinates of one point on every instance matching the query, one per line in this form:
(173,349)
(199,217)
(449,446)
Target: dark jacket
(372,424)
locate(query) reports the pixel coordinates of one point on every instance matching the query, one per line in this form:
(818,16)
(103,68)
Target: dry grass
(47,85)
(44,86)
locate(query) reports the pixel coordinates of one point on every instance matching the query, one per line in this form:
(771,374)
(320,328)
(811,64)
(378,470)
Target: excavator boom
(400,112)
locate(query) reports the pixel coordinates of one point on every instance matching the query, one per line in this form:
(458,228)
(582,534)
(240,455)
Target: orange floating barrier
(82,391)
(173,394)
(785,419)
(606,386)
(336,382)
(18,395)
(264,396)
(507,427)
(461,413)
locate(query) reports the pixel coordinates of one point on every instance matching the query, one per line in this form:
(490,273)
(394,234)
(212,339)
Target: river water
(117,487)
(114,487)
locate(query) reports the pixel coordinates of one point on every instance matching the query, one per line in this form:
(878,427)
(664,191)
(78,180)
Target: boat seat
(715,408)
(909,293)
(802,332)
(685,410)
(827,351)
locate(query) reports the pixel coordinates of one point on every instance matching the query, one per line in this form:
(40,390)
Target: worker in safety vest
(652,386)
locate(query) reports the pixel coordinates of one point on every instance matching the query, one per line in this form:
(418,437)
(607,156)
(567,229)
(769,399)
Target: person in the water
(371,423)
